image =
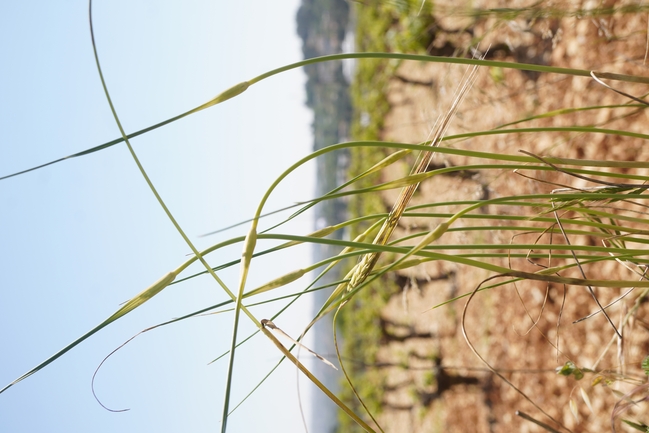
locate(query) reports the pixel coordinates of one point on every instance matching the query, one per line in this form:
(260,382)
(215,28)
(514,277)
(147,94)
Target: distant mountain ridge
(323,26)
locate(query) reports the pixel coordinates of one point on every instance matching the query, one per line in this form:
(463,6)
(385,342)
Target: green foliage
(570,369)
(358,320)
(638,426)
(392,26)
(430,378)
(406,26)
(400,26)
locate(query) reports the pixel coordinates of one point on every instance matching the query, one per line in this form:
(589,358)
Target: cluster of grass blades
(611,210)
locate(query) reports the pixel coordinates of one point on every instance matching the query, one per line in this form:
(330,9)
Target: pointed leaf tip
(130,305)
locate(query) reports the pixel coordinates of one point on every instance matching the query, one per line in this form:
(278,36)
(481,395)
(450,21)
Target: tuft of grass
(556,237)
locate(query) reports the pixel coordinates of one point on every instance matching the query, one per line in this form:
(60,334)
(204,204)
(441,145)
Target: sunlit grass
(613,213)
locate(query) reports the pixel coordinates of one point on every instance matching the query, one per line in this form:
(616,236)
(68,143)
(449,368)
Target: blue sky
(82,236)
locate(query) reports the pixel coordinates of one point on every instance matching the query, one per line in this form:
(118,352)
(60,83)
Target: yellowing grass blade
(270,325)
(129,306)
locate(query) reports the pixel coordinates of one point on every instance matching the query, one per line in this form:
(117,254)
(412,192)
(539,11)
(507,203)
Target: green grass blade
(239,88)
(129,306)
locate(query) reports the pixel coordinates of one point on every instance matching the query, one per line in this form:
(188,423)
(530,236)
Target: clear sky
(80,237)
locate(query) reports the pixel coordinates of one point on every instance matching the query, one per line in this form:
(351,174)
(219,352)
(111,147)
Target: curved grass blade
(269,324)
(241,87)
(324,389)
(129,306)
(563,111)
(250,240)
